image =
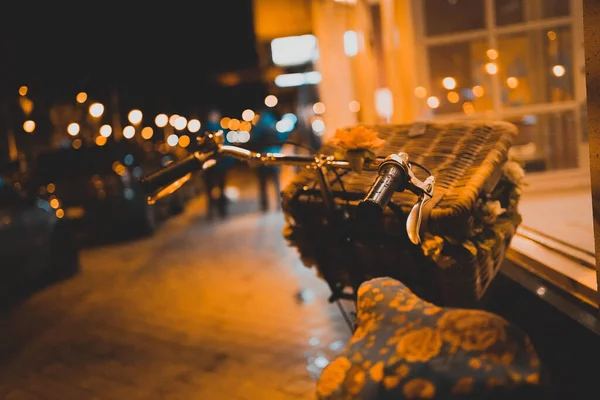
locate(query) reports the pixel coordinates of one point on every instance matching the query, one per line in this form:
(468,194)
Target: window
(521,61)
(517,60)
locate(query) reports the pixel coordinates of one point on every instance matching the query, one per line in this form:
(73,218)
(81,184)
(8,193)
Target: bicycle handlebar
(394,174)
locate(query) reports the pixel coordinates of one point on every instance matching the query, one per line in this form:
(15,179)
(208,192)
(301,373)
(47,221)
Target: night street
(202,310)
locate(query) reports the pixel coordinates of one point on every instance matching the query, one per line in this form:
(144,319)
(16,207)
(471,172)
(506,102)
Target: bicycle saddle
(406,348)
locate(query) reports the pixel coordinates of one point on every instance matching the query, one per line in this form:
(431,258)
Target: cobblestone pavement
(202,310)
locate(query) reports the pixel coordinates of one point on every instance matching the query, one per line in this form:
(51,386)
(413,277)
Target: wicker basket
(467,226)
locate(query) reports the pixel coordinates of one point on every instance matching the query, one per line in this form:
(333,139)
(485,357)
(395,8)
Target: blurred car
(34,241)
(95,190)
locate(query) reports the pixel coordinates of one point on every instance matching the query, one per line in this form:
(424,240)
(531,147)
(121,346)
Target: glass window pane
(518,11)
(556,8)
(547,142)
(458,78)
(509,12)
(451,16)
(536,67)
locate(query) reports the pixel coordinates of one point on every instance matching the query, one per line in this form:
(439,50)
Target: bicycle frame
(212,147)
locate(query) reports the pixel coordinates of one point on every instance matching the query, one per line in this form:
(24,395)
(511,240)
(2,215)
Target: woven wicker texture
(465,158)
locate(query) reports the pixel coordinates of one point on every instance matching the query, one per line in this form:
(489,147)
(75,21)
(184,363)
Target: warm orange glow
(76,143)
(51,188)
(492,54)
(29,126)
(477,91)
(60,213)
(161,120)
(558,70)
(225,122)
(54,203)
(96,110)
(512,82)
(468,108)
(245,126)
(420,92)
(73,129)
(23,90)
(81,97)
(551,35)
(491,68)
(354,106)
(234,124)
(184,141)
(453,97)
(101,140)
(147,133)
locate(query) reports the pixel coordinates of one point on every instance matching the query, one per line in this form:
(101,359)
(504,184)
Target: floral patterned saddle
(406,348)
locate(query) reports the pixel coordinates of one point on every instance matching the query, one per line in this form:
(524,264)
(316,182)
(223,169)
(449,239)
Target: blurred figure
(264,138)
(215,177)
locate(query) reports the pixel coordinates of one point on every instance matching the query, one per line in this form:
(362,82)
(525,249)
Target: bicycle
(402,346)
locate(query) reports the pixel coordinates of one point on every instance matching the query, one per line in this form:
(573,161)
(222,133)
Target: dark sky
(158,58)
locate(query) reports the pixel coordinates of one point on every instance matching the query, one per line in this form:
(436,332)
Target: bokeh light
(433,102)
(271,100)
(105,130)
(135,116)
(193,125)
(96,110)
(147,133)
(161,120)
(318,108)
(73,129)
(101,140)
(248,115)
(128,132)
(29,126)
(172,140)
(184,141)
(180,123)
(81,97)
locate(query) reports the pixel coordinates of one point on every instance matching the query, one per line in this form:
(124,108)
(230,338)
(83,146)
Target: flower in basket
(357,144)
(514,173)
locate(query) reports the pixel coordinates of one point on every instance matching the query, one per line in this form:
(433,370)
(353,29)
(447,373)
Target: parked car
(95,189)
(34,241)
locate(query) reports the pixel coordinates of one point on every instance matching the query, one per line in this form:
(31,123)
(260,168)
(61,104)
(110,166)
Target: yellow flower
(471,329)
(514,173)
(420,345)
(356,138)
(419,388)
(355,380)
(333,376)
(376,372)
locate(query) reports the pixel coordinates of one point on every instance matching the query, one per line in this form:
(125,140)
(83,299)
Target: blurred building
(406,60)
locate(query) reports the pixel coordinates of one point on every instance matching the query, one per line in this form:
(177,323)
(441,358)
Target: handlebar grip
(172,172)
(391,178)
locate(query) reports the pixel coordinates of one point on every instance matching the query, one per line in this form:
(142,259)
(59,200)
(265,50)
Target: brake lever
(424,190)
